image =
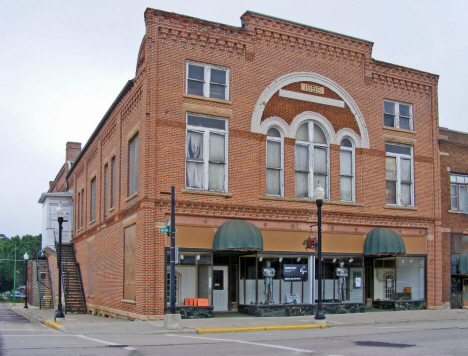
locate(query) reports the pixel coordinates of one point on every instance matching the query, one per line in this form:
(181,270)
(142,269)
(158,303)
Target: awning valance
(238,235)
(383,241)
(463,263)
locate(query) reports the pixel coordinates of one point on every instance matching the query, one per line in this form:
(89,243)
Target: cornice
(400,77)
(301,31)
(312,44)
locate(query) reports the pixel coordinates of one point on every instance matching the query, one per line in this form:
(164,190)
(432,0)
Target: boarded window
(133,166)
(129,262)
(92,208)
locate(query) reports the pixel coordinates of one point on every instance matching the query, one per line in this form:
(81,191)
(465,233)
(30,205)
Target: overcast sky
(62,64)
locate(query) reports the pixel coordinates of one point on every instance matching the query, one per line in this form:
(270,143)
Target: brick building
(454,182)
(246,122)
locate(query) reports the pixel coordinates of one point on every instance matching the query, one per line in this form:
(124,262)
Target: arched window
(346,170)
(274,162)
(311,163)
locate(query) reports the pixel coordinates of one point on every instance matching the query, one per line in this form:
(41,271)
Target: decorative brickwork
(262,53)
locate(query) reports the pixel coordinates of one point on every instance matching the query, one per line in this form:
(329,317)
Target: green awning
(463,263)
(238,235)
(383,241)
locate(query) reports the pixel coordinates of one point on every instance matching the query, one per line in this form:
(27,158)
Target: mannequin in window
(342,274)
(268,273)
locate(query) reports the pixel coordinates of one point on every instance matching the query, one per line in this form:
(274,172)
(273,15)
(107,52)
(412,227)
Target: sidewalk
(89,324)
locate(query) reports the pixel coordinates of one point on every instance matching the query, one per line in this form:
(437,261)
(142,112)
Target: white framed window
(133,165)
(274,163)
(459,192)
(92,201)
(399,175)
(207,80)
(398,115)
(311,160)
(206,153)
(347,170)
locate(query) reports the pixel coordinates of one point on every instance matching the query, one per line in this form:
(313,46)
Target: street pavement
(85,324)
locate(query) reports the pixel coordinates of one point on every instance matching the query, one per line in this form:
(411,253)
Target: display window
(193,274)
(399,279)
(342,279)
(269,280)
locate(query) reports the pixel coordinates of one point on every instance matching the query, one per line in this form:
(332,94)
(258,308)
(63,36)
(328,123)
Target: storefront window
(399,279)
(193,278)
(342,279)
(268,280)
(410,278)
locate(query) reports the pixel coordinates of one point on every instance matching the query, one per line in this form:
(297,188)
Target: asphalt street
(23,337)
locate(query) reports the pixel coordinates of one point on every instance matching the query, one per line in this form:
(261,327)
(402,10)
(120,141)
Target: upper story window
(112,181)
(399,174)
(106,173)
(92,201)
(459,192)
(346,170)
(206,153)
(208,80)
(311,161)
(133,165)
(398,115)
(274,162)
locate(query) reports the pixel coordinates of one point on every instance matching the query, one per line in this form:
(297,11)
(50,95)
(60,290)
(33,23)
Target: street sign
(166,229)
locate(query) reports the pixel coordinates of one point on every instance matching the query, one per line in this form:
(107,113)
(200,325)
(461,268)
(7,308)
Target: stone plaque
(312,88)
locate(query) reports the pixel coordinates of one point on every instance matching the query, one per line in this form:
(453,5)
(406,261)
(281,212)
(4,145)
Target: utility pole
(173,256)
(14,278)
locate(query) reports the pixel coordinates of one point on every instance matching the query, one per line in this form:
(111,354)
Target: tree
(28,243)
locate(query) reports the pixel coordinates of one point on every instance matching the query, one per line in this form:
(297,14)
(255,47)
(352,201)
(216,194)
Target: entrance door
(355,285)
(220,288)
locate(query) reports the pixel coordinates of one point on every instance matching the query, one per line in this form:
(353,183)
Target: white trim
(350,134)
(316,117)
(280,82)
(311,98)
(275,121)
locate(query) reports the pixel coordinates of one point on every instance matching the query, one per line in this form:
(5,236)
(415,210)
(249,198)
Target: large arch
(279,83)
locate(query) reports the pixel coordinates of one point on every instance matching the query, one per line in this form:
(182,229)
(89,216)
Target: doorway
(369,282)
(220,288)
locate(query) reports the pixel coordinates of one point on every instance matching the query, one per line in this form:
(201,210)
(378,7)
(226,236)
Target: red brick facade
(262,52)
(453,152)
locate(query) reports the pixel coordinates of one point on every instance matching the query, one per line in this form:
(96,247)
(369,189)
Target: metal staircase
(74,301)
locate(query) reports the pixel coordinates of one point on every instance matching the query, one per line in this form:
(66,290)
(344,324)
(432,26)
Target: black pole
(26,287)
(319,315)
(173,256)
(59,313)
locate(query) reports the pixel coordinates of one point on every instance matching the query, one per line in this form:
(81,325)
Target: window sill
(89,296)
(299,200)
(399,130)
(206,192)
(207,99)
(111,210)
(455,212)
(92,222)
(128,301)
(131,197)
(396,207)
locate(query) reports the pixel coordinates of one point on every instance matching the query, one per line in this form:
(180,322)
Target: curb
(52,324)
(260,328)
